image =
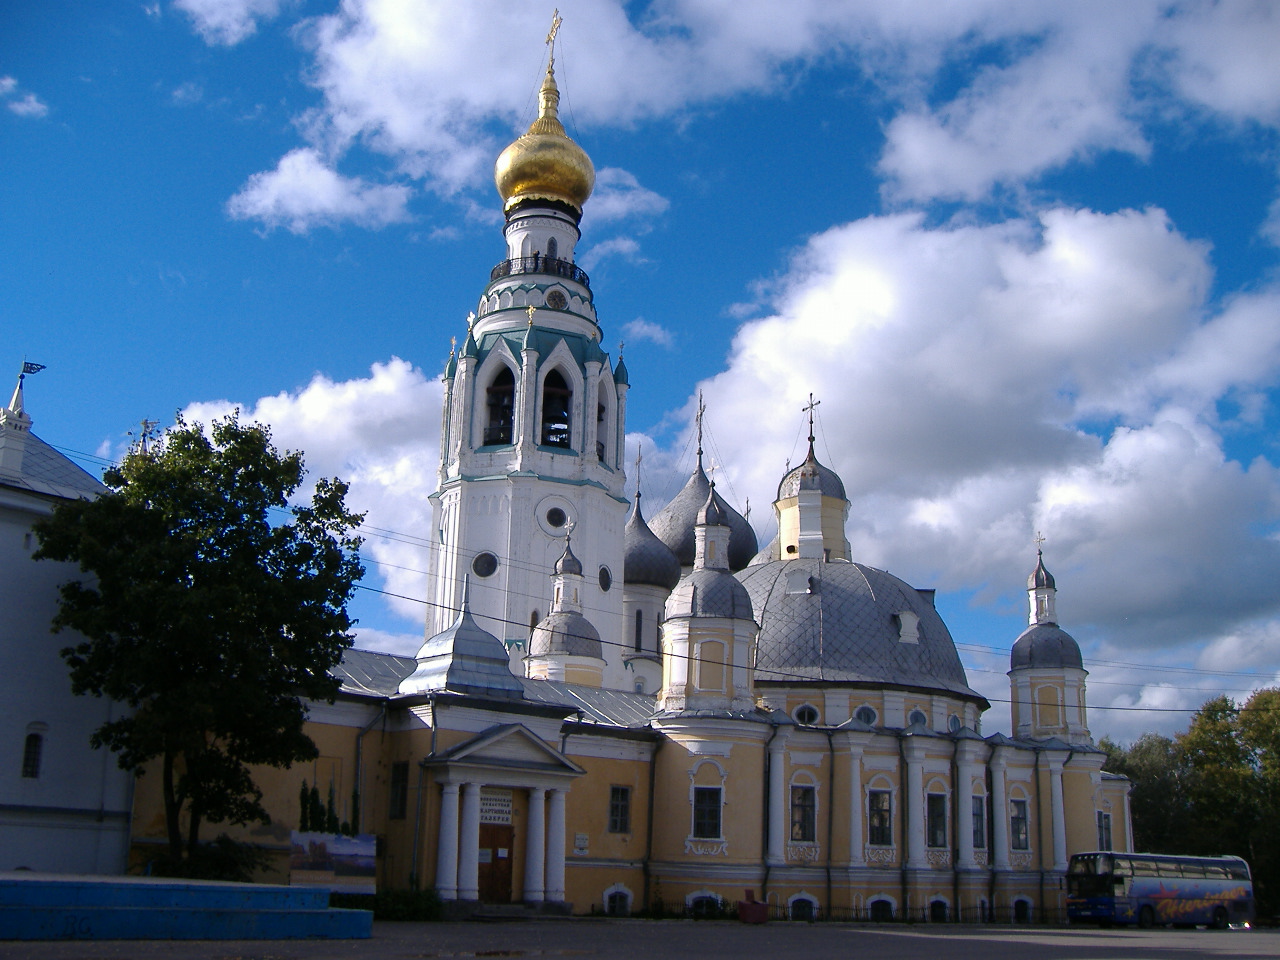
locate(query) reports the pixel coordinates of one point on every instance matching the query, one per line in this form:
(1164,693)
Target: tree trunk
(172,809)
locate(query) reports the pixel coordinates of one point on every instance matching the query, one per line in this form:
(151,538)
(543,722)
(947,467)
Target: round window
(557,300)
(484,565)
(917,716)
(867,716)
(557,517)
(606,579)
(806,715)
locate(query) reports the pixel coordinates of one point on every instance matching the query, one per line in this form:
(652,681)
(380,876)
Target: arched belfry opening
(500,403)
(557,397)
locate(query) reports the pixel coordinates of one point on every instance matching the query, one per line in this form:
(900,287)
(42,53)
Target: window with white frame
(1019,832)
(619,809)
(979,822)
(1104,830)
(879,818)
(707,802)
(936,819)
(804,813)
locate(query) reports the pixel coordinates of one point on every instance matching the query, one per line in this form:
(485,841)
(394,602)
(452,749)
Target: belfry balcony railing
(540,264)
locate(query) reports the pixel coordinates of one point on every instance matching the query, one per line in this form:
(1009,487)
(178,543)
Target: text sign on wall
(495,805)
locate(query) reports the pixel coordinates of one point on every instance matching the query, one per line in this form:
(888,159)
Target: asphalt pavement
(614,939)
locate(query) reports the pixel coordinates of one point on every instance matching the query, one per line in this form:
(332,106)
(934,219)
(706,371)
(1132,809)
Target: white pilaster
(857,806)
(965,771)
(535,846)
(999,816)
(915,804)
(555,848)
(1058,815)
(447,849)
(469,844)
(777,801)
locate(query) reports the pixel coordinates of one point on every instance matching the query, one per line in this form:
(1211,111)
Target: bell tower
(535,413)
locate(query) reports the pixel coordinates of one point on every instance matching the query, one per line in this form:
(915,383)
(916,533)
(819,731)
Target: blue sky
(1024,253)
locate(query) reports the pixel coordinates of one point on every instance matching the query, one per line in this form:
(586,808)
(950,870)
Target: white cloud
(28,106)
(7,86)
(625,247)
(381,435)
(185,94)
(302,193)
(227,22)
(642,329)
(980,383)
(618,196)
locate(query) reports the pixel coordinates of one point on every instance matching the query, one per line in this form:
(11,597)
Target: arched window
(553,250)
(31,751)
(556,399)
(500,399)
(600,431)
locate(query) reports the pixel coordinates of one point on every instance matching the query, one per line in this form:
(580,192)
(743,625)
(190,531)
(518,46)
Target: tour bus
(1152,888)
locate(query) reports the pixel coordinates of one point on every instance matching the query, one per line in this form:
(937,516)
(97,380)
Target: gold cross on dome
(529,311)
(556,20)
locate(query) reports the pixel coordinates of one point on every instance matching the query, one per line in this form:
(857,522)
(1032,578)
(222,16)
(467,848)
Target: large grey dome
(646,559)
(565,632)
(465,658)
(674,523)
(1048,646)
(811,475)
(843,622)
(709,593)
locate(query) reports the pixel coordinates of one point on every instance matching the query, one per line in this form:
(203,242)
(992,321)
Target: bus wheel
(1146,918)
(1220,918)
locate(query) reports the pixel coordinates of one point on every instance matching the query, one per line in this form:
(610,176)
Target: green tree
(1158,802)
(214,625)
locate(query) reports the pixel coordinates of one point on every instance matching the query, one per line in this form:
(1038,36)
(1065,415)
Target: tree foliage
(213,624)
(1214,789)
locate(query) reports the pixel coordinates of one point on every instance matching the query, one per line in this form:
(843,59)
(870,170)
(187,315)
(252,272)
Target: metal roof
(48,472)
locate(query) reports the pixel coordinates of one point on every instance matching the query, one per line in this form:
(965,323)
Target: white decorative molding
(980,858)
(707,748)
(880,855)
(706,848)
(1020,861)
(804,852)
(806,759)
(938,858)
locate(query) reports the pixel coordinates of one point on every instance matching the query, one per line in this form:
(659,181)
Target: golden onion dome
(545,164)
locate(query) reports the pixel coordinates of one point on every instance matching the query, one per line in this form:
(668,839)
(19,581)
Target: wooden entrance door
(495,862)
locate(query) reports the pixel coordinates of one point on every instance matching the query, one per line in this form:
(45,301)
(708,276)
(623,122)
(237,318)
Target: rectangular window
(804,810)
(399,790)
(1020,836)
(936,819)
(879,819)
(31,751)
(979,822)
(1104,831)
(619,809)
(706,813)
(639,630)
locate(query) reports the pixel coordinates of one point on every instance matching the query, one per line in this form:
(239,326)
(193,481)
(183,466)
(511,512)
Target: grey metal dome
(646,559)
(1045,646)
(1040,577)
(565,632)
(465,658)
(709,593)
(811,475)
(568,563)
(842,622)
(674,523)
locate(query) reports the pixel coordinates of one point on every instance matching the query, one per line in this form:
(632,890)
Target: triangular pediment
(513,746)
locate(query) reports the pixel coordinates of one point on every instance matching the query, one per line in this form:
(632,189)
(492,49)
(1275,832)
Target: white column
(914,805)
(777,801)
(857,808)
(535,845)
(965,771)
(447,848)
(999,816)
(1058,815)
(469,844)
(555,848)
